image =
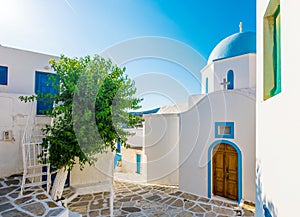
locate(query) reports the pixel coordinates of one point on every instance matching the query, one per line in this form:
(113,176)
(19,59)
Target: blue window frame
(224,130)
(206,85)
(3,75)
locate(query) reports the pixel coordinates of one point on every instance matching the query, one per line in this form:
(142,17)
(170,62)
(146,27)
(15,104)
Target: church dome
(234,45)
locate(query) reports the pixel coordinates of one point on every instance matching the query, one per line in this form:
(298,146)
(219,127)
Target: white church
(209,149)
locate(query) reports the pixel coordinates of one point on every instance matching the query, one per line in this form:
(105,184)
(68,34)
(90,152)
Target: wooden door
(225,171)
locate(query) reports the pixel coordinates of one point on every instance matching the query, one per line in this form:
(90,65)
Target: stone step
(74,214)
(35,184)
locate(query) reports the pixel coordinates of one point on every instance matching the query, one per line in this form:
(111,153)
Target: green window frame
(276,54)
(272,50)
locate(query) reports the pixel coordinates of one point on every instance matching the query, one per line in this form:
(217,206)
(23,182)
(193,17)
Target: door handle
(227,173)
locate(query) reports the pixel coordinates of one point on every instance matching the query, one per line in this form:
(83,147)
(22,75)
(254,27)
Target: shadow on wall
(264,207)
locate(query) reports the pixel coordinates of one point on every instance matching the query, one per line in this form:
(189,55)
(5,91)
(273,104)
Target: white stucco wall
(13,116)
(194,99)
(137,137)
(208,72)
(136,141)
(197,134)
(244,71)
(13,113)
(21,69)
(129,164)
(101,171)
(161,148)
(278,119)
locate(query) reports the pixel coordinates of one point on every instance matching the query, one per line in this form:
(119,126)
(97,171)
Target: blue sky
(79,28)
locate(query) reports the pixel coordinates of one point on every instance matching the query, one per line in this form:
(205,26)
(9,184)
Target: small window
(206,85)
(3,75)
(224,130)
(230,79)
(272,50)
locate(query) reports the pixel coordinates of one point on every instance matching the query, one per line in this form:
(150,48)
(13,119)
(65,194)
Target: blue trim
(3,75)
(230,78)
(138,163)
(206,85)
(266,211)
(209,172)
(224,124)
(118,147)
(117,158)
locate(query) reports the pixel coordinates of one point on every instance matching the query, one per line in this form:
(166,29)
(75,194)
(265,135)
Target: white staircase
(35,168)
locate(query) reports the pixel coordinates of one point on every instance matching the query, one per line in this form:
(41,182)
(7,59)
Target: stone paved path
(132,200)
(34,202)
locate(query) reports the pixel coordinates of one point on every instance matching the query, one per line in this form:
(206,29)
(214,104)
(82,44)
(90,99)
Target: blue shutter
(3,75)
(44,85)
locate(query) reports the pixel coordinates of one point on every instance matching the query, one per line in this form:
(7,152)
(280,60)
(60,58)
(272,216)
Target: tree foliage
(90,109)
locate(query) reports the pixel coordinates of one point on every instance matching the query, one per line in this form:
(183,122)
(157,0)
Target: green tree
(90,109)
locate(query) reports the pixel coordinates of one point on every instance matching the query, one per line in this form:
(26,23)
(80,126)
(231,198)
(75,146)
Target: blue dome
(234,45)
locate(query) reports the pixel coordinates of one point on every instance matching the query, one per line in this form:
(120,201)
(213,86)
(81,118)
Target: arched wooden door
(225,171)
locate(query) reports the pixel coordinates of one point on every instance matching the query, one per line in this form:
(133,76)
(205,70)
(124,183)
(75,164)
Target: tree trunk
(59,183)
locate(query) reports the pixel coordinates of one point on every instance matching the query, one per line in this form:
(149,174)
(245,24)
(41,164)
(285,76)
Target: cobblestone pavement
(34,202)
(131,200)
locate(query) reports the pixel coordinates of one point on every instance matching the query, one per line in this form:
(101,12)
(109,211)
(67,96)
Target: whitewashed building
(24,73)
(208,146)
(278,117)
(19,76)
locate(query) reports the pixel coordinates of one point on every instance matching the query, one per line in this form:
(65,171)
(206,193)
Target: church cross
(241,27)
(224,84)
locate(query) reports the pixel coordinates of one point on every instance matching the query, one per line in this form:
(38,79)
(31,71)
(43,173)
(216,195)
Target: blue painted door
(119,147)
(118,157)
(138,163)
(44,85)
